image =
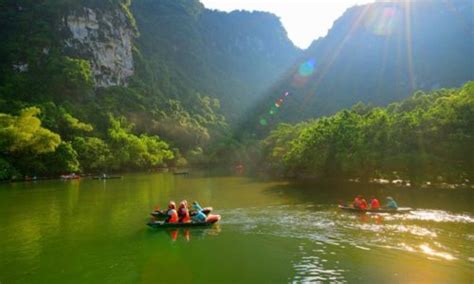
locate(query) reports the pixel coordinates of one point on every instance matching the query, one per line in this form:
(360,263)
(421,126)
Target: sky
(304,20)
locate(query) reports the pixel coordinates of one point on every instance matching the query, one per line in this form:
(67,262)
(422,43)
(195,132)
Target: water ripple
(439,216)
(327,227)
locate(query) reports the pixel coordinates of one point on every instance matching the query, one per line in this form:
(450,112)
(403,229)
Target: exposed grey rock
(105,39)
(21,67)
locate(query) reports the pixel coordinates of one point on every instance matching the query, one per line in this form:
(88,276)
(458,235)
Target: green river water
(91,231)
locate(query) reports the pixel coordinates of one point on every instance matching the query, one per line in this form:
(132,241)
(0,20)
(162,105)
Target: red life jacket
(375,204)
(172,216)
(363,204)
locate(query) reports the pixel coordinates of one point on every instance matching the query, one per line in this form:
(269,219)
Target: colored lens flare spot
(307,68)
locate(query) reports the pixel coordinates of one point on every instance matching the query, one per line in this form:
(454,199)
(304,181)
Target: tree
(94,154)
(24,134)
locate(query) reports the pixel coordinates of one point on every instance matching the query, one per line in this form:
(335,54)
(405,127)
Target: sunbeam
(409,43)
(333,56)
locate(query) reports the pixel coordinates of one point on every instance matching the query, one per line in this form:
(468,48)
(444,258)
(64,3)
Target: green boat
(381,210)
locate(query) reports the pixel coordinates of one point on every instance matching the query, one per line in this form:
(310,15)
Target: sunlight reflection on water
(420,233)
(313,267)
(439,216)
(429,251)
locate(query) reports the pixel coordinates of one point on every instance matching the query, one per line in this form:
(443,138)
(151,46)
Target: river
(92,231)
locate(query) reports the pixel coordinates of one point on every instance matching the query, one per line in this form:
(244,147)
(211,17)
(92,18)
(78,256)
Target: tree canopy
(429,136)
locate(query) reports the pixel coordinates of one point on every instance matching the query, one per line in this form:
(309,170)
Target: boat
(211,219)
(70,176)
(381,210)
(162,214)
(106,177)
(181,172)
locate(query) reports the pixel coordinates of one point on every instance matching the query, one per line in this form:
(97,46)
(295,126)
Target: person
(363,204)
(199,216)
(374,203)
(183,212)
(391,204)
(357,201)
(172,213)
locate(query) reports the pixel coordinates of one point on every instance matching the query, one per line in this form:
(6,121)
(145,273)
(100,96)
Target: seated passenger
(183,212)
(363,204)
(199,216)
(172,213)
(374,203)
(391,204)
(357,201)
(196,206)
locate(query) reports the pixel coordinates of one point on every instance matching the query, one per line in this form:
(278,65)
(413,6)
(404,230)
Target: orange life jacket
(183,213)
(172,216)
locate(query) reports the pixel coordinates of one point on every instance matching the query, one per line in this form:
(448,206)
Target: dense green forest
(426,137)
(230,56)
(57,117)
(44,90)
(99,86)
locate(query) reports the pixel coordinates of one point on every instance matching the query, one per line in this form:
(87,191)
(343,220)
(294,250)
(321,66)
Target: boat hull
(382,210)
(107,177)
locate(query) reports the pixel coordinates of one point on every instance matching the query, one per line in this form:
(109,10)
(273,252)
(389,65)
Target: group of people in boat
(183,214)
(360,203)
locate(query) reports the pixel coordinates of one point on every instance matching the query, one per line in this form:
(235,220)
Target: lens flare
(266,119)
(273,110)
(307,68)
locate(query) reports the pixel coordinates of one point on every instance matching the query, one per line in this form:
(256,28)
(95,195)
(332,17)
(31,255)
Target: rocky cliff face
(104,37)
